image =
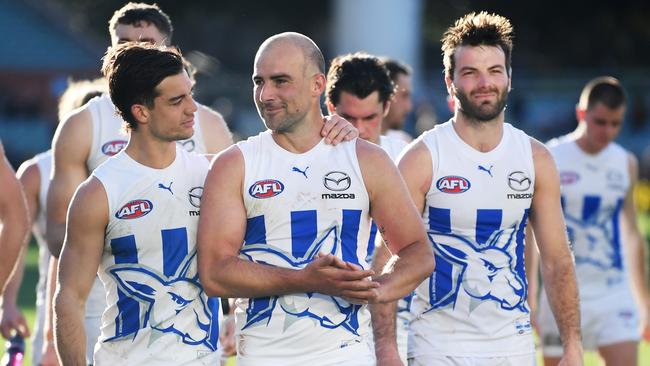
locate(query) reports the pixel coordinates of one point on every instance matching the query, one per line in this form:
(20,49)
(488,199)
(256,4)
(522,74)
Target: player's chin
(185,134)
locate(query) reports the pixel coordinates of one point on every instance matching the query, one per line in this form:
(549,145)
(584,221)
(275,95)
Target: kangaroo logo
(167,188)
(303,172)
(174,304)
(591,241)
(487,170)
(328,311)
(484,273)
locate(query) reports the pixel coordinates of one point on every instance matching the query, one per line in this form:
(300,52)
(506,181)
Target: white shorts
(605,321)
(443,360)
(361,354)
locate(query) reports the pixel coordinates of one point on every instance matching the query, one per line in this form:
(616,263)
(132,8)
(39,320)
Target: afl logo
(453,184)
(266,188)
(134,209)
(113,147)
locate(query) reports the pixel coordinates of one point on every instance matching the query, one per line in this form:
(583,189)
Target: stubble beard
(281,124)
(485,112)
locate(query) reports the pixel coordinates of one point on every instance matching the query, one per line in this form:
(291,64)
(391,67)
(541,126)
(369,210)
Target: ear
(318,84)
(140,113)
(580,113)
(510,79)
(386,108)
(330,107)
(450,85)
(451,103)
(137,282)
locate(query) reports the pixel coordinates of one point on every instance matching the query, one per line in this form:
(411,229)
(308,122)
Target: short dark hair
(360,74)
(474,29)
(396,68)
(134,13)
(134,70)
(604,89)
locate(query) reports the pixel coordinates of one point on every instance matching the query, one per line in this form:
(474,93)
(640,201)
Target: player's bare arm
(637,248)
(70,149)
(383,316)
(14,219)
(221,234)
(398,222)
(80,258)
(531,263)
(12,318)
(415,168)
(216,134)
(48,350)
(557,267)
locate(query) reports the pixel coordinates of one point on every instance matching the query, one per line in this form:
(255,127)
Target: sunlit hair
(474,29)
(134,70)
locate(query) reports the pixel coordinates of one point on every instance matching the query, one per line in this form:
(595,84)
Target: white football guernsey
(44,163)
(298,205)
(474,303)
(109,139)
(392,146)
(593,191)
(157,312)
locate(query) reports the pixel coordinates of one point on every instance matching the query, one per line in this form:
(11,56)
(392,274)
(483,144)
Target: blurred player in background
(401,102)
(34,175)
(597,177)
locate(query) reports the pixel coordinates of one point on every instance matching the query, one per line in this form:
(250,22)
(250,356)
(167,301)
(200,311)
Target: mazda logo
(195,195)
(337,181)
(518,181)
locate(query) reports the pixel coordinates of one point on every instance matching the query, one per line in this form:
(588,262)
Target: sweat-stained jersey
(157,312)
(474,303)
(298,205)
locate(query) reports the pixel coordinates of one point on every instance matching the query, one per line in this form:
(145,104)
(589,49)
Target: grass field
(27,299)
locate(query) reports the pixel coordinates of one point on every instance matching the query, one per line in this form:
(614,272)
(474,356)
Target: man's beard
(484,112)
